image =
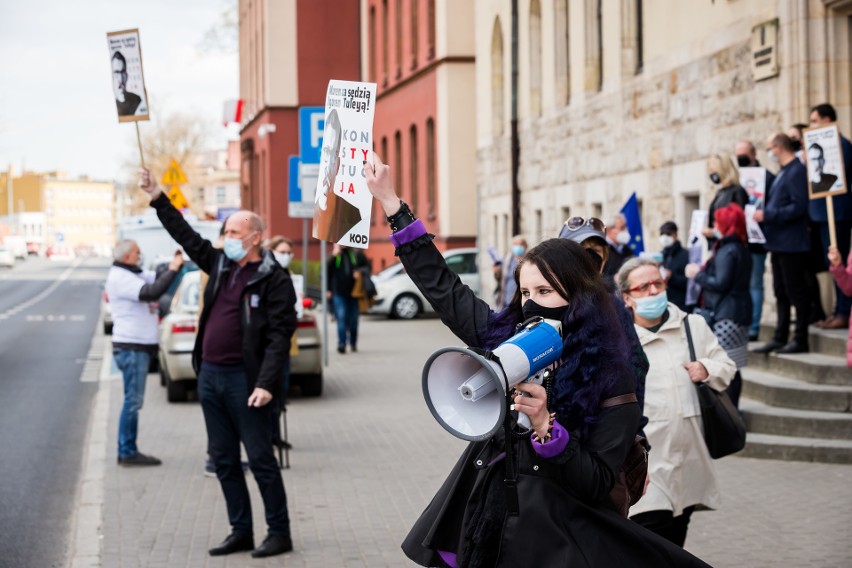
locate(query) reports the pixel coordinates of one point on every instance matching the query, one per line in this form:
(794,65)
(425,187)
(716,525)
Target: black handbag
(724,429)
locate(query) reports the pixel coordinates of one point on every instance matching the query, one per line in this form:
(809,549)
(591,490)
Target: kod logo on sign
(311,126)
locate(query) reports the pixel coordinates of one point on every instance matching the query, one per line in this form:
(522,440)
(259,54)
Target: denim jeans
(223,393)
(755,288)
(134,369)
(346,313)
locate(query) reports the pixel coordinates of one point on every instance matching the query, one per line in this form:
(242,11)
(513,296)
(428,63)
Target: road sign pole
(324,291)
(305,256)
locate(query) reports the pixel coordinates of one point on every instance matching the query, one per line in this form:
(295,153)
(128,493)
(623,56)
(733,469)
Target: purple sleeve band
(448,557)
(408,234)
(558,442)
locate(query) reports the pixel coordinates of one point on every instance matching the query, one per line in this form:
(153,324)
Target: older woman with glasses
(680,469)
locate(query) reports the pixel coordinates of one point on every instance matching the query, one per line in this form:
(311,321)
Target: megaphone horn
(466,391)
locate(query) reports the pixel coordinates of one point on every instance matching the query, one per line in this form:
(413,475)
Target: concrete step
(816,368)
(768,446)
(825,341)
(765,419)
(785,392)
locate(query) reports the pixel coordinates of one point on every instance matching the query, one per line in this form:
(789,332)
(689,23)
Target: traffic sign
(174,175)
(300,205)
(311,125)
(177,198)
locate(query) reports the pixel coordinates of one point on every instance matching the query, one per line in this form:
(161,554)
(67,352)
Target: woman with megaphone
(538,497)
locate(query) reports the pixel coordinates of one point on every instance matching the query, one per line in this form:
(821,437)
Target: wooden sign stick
(142,156)
(829,207)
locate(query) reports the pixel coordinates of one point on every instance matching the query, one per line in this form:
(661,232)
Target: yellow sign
(174,175)
(177,198)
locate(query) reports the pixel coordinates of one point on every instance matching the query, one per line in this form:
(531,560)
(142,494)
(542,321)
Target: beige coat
(681,470)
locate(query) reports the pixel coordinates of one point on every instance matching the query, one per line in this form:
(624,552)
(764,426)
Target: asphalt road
(48,313)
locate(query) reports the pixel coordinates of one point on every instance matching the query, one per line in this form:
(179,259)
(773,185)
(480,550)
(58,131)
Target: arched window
(397,161)
(385,41)
(412,151)
(594,45)
(562,52)
(384,157)
(398,19)
(431,25)
(430,170)
(535,58)
(414,37)
(372,43)
(497,79)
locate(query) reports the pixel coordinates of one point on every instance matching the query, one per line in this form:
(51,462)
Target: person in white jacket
(681,471)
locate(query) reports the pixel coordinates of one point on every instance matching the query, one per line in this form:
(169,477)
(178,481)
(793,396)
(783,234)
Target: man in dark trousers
(242,345)
(675,259)
(785,226)
(822,115)
(133,295)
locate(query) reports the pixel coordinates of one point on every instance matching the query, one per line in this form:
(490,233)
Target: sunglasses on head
(577,223)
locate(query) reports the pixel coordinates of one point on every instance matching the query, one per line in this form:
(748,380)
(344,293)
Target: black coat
(725,281)
(564,501)
(675,259)
(785,217)
(267,323)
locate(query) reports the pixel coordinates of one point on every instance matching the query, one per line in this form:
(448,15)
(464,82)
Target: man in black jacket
(675,259)
(242,344)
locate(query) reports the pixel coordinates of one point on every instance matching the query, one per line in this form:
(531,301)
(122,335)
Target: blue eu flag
(634,224)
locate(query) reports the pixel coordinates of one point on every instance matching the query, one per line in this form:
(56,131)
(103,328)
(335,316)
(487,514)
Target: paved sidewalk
(368,456)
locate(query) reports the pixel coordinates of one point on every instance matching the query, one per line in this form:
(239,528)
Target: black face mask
(797,145)
(744,161)
(531,309)
(714,177)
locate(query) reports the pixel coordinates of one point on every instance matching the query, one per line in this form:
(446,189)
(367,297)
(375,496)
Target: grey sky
(57,110)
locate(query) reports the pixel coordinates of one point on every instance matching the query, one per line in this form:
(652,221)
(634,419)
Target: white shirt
(134,321)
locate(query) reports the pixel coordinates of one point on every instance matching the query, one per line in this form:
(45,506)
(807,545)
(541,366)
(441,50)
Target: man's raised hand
(148,184)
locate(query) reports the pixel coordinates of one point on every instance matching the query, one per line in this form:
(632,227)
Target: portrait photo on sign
(753,181)
(128,81)
(824,161)
(342,203)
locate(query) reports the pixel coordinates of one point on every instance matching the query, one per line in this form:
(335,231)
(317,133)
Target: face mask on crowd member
(234,247)
(283,258)
(715,178)
(643,289)
(666,241)
(744,161)
(518,250)
(623,237)
(538,296)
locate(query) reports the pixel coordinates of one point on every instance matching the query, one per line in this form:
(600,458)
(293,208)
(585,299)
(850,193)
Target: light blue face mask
(518,250)
(233,249)
(651,307)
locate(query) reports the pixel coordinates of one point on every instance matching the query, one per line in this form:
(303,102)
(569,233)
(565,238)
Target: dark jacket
(341,271)
(675,259)
(842,203)
(267,324)
(785,221)
(725,281)
(618,255)
(564,501)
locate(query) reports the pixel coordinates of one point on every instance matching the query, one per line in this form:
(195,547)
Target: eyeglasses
(577,223)
(659,284)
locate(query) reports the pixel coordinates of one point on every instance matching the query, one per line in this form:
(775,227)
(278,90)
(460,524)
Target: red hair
(731,221)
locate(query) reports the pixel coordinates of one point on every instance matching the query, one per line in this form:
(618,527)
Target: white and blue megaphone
(466,391)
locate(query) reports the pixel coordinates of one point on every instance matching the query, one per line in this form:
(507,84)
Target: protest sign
(342,203)
(128,82)
(825,161)
(754,182)
(755,234)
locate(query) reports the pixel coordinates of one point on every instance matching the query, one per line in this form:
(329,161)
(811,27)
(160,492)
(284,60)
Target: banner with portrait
(824,161)
(753,181)
(342,202)
(128,81)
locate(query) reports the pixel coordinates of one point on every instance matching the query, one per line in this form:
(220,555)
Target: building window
(497,79)
(539,226)
(640,39)
(385,40)
(220,194)
(431,25)
(372,41)
(430,169)
(563,52)
(384,157)
(398,10)
(414,39)
(594,46)
(632,48)
(535,58)
(412,151)
(397,162)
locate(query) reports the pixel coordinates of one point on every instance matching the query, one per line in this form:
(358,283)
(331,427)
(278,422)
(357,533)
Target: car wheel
(405,307)
(176,391)
(311,385)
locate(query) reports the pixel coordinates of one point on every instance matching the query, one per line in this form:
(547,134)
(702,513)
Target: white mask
(622,238)
(666,241)
(772,157)
(283,258)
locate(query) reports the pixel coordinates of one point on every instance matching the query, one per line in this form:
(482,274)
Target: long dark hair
(595,353)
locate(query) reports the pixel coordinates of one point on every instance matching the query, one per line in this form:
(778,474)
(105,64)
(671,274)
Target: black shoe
(794,347)
(752,336)
(272,545)
(353,348)
(234,542)
(768,347)
(341,349)
(283,444)
(139,459)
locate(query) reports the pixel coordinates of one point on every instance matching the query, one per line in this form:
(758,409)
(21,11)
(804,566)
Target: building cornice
(450,59)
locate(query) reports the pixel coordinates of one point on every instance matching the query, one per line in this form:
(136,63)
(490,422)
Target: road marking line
(43,294)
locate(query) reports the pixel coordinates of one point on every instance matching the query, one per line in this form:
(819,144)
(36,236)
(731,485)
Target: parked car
(398,297)
(7,259)
(178,330)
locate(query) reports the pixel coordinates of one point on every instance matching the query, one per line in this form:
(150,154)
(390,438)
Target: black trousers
(665,524)
(790,281)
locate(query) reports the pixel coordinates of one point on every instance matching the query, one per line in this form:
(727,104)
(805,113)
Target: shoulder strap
(689,338)
(619,400)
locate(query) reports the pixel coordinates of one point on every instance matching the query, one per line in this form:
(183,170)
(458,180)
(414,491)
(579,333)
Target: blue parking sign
(311,125)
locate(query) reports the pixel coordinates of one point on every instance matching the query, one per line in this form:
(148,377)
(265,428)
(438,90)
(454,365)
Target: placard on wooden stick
(128,81)
(826,171)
